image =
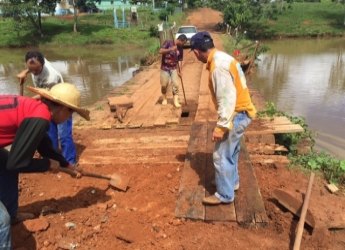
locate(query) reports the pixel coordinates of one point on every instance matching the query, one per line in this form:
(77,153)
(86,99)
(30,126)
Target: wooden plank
(136,114)
(116,102)
(204,98)
(161,120)
(277,120)
(278,129)
(268,149)
(224,212)
(249,205)
(192,191)
(152,116)
(293,205)
(175,116)
(268,159)
(144,114)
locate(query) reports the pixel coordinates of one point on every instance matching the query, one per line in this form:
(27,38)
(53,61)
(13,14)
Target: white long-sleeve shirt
(228,88)
(48,76)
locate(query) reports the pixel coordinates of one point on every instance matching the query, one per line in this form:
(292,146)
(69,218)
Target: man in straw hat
(24,122)
(44,75)
(235,110)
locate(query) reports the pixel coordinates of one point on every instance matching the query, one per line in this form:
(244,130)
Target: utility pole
(153,4)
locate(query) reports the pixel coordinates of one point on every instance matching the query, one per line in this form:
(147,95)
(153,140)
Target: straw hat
(65,94)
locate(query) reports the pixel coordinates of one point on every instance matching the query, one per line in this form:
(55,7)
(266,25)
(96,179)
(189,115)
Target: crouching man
(24,123)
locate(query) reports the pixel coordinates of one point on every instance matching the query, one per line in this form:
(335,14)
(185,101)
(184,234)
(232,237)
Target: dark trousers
(9,182)
(8,185)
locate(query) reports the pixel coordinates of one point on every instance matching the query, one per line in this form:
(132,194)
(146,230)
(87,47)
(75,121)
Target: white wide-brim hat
(65,94)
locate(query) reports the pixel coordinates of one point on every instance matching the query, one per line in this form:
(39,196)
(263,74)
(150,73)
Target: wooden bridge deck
(198,172)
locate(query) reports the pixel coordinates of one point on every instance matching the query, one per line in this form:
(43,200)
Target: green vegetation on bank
(303,19)
(95,28)
(333,169)
(282,18)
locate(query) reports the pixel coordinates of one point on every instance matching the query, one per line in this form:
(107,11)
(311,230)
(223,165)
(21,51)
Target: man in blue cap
(235,110)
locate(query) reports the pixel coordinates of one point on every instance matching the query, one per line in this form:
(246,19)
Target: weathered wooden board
(137,114)
(263,159)
(249,205)
(122,100)
(293,205)
(206,110)
(192,190)
(277,120)
(167,115)
(277,129)
(152,116)
(268,149)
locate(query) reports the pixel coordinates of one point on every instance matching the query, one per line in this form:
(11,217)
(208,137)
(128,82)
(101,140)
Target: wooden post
(254,56)
(300,227)
(21,86)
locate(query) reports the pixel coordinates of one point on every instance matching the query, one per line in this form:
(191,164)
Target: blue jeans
(225,158)
(63,132)
(5,228)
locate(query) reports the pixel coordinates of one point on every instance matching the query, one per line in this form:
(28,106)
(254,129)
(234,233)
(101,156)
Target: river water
(94,70)
(302,77)
(307,78)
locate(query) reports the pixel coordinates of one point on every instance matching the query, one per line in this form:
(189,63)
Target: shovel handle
(89,174)
(84,173)
(179,69)
(68,171)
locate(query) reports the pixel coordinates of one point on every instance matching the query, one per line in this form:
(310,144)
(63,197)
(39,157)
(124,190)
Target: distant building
(64,7)
(109,4)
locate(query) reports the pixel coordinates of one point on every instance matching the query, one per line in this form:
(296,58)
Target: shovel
(21,87)
(115,180)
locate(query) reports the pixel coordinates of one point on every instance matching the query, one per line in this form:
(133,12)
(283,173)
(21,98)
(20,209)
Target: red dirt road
(86,214)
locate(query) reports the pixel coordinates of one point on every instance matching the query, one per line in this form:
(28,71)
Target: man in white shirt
(45,76)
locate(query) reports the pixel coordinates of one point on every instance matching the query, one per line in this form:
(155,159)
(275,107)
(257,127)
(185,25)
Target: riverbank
(302,19)
(92,29)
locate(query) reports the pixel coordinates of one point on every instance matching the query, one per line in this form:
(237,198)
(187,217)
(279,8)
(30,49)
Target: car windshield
(187,30)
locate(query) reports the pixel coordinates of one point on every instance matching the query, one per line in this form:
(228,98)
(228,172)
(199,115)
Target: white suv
(188,30)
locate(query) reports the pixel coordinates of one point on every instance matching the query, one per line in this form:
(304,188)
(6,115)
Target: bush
(153,31)
(163,15)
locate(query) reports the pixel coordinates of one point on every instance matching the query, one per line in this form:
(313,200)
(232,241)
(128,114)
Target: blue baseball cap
(199,39)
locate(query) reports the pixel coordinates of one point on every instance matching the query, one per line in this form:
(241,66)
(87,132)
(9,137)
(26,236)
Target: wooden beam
(277,129)
(293,205)
(192,185)
(249,205)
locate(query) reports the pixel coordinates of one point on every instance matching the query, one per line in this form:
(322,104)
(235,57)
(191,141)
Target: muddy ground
(86,214)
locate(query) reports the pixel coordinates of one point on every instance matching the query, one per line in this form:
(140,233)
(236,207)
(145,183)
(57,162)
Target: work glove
(218,133)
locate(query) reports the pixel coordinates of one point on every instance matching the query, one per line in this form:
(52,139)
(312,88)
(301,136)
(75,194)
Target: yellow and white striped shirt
(228,87)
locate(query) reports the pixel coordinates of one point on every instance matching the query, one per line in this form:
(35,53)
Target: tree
(78,4)
(239,13)
(29,11)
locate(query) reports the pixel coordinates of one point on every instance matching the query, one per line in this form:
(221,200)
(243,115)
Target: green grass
(304,19)
(92,29)
(333,169)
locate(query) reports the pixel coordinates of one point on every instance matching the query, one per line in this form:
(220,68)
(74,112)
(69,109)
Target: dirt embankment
(86,214)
